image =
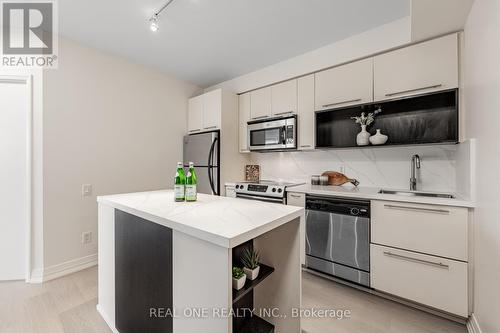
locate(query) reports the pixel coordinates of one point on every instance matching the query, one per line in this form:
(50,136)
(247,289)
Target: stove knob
(274,189)
(280,190)
(354,211)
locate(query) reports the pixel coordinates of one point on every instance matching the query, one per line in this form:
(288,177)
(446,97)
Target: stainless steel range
(265,190)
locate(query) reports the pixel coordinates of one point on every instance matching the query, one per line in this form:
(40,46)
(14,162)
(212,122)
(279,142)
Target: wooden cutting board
(336,178)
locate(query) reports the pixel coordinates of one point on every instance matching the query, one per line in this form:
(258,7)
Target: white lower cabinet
(299,199)
(433,281)
(296,199)
(436,230)
(230,191)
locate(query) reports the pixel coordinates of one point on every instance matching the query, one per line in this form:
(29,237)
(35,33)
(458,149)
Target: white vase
(363,137)
(378,138)
(239,283)
(251,274)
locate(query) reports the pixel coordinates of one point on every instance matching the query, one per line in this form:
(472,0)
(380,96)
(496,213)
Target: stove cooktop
(267,188)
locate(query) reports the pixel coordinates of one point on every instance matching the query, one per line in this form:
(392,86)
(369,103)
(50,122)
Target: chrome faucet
(415,164)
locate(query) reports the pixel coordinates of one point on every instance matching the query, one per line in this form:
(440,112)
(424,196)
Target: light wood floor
(68,305)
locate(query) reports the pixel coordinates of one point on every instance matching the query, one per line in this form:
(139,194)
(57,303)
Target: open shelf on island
(265,271)
(256,324)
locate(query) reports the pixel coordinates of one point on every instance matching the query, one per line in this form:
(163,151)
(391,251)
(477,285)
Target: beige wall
(427,17)
(482,98)
(109,123)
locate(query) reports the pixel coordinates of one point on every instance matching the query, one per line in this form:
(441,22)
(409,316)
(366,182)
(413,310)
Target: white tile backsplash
(387,167)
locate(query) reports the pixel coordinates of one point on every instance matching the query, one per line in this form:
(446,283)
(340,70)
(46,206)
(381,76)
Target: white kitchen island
(165,266)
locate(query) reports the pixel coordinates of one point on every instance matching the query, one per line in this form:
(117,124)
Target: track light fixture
(154,20)
(153,23)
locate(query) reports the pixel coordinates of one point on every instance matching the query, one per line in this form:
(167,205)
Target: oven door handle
(256,197)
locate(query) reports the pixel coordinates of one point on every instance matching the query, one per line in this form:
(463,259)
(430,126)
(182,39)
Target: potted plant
(239,278)
(250,260)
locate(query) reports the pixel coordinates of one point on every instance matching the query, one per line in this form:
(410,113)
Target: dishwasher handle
(339,206)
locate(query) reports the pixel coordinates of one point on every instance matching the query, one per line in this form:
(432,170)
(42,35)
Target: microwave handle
(283,135)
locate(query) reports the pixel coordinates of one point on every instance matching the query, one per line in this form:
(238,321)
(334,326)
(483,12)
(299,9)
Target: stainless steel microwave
(273,133)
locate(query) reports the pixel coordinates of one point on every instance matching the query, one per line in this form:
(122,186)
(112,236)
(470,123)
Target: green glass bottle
(180,183)
(191,181)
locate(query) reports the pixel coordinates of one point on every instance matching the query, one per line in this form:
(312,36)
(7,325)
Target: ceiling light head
(153,23)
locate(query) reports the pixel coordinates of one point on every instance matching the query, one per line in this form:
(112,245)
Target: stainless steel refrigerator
(203,150)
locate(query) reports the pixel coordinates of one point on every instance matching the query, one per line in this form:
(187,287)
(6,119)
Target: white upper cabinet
(195,114)
(305,107)
(243,118)
(279,99)
(205,111)
(212,109)
(418,69)
(284,98)
(260,106)
(344,85)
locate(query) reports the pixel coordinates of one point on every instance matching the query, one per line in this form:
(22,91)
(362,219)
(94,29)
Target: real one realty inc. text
(223,313)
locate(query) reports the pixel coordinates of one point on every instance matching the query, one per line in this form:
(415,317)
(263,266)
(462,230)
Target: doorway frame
(26,80)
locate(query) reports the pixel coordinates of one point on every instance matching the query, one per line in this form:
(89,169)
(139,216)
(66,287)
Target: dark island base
(143,273)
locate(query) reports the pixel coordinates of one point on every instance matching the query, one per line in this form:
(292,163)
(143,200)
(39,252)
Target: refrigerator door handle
(210,167)
(216,190)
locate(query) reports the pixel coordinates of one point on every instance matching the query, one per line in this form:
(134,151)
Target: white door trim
(473,325)
(28,81)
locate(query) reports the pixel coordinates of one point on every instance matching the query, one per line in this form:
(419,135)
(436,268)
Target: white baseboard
(106,319)
(40,275)
(473,325)
(36,276)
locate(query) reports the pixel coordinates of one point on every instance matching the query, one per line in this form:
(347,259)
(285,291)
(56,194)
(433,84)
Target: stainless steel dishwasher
(338,237)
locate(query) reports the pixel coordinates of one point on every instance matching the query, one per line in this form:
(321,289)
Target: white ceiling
(210,41)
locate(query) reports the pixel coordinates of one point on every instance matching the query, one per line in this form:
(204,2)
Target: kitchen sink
(417,194)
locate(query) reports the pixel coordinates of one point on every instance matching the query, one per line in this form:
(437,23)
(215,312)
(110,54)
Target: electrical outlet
(87,237)
(86,190)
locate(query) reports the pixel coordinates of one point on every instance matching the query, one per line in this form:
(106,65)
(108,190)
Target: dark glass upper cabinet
(424,119)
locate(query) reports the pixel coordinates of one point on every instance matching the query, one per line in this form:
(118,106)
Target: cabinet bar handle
(295,195)
(260,117)
(430,210)
(420,261)
(344,102)
(210,127)
(413,90)
(305,146)
(286,112)
(195,130)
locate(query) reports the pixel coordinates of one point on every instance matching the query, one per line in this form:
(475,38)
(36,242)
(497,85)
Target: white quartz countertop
(224,221)
(371,193)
